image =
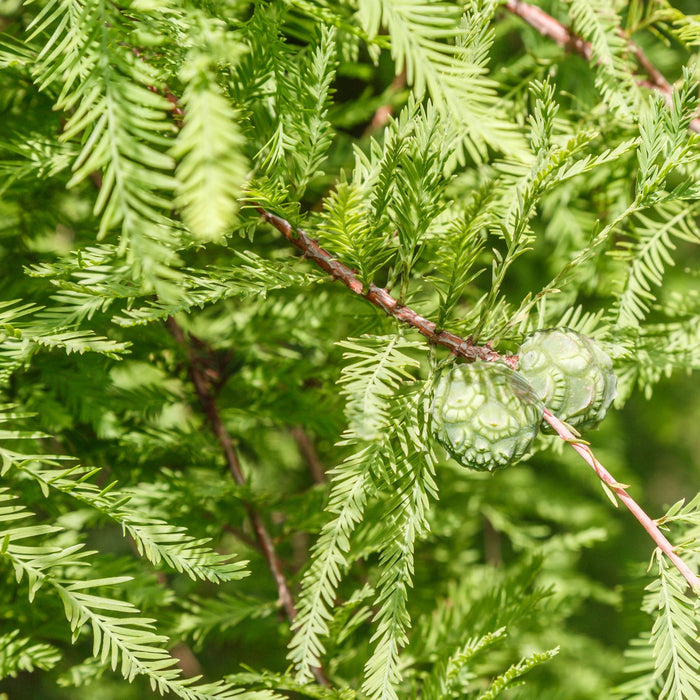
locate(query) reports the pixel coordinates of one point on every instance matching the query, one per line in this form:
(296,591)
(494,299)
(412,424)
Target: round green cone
(571,373)
(485,415)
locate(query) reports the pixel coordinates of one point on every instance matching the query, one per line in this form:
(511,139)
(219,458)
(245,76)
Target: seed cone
(571,373)
(485,415)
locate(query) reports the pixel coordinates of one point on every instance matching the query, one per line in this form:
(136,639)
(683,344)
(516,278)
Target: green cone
(571,373)
(485,415)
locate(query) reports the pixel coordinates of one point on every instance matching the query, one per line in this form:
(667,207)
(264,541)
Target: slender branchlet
(619,490)
(382,299)
(308,452)
(210,410)
(553,29)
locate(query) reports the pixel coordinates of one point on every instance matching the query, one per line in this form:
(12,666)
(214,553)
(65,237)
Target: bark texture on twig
(459,346)
(380,297)
(619,490)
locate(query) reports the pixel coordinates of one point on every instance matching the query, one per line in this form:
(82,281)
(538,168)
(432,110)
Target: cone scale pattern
(571,373)
(485,415)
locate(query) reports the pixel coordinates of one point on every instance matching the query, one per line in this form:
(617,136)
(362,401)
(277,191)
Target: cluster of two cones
(487,415)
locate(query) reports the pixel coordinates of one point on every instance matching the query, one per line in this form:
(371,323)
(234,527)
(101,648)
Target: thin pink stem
(382,299)
(619,490)
(547,26)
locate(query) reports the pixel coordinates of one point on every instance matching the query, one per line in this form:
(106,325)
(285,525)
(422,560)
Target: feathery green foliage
(217,476)
(669,655)
(211,166)
(380,366)
(598,23)
(119,122)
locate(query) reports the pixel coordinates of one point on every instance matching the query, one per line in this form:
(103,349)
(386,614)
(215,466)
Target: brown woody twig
(208,404)
(553,29)
(382,299)
(308,451)
(547,26)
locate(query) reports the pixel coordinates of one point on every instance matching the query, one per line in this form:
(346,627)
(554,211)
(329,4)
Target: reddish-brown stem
(383,113)
(547,26)
(308,451)
(553,29)
(210,410)
(619,490)
(186,660)
(381,297)
(459,346)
